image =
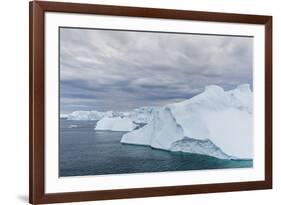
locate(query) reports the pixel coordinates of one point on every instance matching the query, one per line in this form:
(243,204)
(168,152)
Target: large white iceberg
(115,124)
(221,117)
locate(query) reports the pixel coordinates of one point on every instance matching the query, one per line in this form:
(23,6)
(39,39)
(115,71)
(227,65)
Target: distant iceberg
(138,115)
(115,124)
(72,126)
(217,123)
(126,121)
(64,116)
(88,115)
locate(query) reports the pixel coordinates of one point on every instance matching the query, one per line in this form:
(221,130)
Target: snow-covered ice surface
(115,124)
(216,117)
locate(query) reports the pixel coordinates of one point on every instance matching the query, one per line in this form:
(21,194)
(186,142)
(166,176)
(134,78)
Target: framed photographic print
(138,102)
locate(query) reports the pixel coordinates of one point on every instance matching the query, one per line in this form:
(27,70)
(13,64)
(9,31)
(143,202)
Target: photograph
(135,101)
(132,102)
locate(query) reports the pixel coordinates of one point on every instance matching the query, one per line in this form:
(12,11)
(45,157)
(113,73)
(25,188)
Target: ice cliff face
(223,118)
(142,115)
(152,134)
(139,115)
(204,147)
(127,121)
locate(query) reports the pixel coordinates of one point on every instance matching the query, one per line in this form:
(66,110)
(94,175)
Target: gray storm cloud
(121,70)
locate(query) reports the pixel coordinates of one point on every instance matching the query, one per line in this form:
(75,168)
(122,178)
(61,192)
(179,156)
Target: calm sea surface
(84,151)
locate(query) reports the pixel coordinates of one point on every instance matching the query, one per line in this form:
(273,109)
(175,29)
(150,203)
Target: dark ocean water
(84,151)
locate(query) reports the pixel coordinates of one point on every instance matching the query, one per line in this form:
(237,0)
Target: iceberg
(138,115)
(64,116)
(89,115)
(115,124)
(159,133)
(73,126)
(164,133)
(219,121)
(142,114)
(126,121)
(241,98)
(85,115)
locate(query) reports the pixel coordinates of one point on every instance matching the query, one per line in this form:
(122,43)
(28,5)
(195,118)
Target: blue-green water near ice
(84,151)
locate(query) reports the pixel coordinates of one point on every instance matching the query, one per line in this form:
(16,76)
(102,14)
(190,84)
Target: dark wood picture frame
(37,193)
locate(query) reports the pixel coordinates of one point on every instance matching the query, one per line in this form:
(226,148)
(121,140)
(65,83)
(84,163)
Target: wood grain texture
(36,107)
(37,95)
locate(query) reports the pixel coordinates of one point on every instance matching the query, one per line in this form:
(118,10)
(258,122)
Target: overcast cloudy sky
(121,70)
